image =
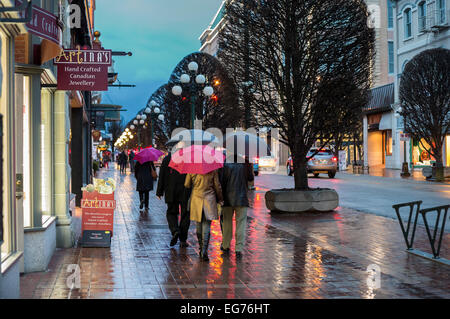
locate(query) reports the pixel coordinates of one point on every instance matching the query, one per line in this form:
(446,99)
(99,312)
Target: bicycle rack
(434,237)
(412,211)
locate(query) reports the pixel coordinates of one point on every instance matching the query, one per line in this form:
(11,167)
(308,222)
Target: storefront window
(4,109)
(388,142)
(420,154)
(46,151)
(26,153)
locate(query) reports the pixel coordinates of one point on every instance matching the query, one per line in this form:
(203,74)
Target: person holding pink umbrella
(145,173)
(200,163)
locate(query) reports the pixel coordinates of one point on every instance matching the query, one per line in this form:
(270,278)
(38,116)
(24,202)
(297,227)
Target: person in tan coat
(206,194)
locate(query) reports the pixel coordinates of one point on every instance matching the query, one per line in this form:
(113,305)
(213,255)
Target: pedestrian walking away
(176,196)
(131,160)
(123,158)
(234,178)
(144,174)
(206,193)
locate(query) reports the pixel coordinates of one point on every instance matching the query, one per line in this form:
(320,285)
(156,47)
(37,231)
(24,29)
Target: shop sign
(404,137)
(44,24)
(83,70)
(97,220)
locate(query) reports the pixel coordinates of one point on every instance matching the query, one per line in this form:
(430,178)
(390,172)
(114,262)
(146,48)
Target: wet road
(286,256)
(370,194)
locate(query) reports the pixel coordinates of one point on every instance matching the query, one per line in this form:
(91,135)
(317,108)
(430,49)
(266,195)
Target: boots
(200,243)
(204,254)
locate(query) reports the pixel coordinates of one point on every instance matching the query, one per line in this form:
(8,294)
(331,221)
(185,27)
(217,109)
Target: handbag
(154,174)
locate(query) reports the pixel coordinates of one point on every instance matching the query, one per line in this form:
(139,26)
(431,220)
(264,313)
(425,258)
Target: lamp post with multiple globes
(194,86)
(154,114)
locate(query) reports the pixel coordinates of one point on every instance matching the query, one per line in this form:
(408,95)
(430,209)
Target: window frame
(422,11)
(391,57)
(407,24)
(390,14)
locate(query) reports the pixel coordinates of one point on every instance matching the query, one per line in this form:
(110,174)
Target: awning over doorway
(386,122)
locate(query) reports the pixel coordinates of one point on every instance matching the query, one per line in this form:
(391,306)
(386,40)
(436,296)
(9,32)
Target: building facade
(37,136)
(420,25)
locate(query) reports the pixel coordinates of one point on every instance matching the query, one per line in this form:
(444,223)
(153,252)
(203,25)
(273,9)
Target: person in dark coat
(234,178)
(123,158)
(143,174)
(131,159)
(171,186)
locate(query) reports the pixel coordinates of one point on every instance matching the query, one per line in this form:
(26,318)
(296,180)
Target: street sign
(404,137)
(83,70)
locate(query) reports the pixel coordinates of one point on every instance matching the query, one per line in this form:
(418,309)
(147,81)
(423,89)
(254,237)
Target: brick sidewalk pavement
(286,256)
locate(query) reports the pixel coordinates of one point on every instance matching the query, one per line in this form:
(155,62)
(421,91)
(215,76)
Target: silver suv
(323,162)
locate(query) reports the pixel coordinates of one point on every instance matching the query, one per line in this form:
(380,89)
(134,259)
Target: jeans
(144,197)
(241,223)
(204,234)
(181,227)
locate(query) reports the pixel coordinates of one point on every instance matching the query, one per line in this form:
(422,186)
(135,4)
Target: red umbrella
(148,155)
(197,159)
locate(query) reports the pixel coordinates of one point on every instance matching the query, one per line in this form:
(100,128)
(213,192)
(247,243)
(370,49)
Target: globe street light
(194,87)
(154,115)
(138,123)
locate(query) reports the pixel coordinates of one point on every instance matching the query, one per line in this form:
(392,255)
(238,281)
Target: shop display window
(421,155)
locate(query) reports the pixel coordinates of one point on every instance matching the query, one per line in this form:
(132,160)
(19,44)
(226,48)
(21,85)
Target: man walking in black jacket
(171,186)
(234,178)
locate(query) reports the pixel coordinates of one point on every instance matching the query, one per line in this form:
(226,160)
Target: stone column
(61,131)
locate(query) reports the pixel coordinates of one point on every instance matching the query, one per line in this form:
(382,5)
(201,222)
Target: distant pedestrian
(123,158)
(131,159)
(144,174)
(206,193)
(171,186)
(106,161)
(234,178)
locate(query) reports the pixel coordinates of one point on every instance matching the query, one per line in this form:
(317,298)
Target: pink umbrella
(197,159)
(148,155)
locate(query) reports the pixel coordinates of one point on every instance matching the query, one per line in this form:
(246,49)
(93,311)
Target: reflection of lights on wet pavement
(314,270)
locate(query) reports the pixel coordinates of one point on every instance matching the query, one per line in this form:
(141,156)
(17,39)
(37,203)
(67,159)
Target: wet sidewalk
(286,256)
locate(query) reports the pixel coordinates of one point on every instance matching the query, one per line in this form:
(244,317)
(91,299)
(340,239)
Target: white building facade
(420,25)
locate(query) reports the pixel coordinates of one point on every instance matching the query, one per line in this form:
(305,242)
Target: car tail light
(334,159)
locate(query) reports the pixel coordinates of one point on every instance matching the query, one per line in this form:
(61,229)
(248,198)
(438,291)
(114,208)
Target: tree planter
(297,201)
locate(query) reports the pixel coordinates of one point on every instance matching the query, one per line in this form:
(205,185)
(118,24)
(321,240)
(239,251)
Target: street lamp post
(186,79)
(153,113)
(405,166)
(138,123)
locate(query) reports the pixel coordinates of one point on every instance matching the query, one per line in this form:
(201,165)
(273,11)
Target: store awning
(381,99)
(386,122)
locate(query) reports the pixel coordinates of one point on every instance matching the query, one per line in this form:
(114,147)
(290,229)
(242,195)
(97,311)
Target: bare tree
(425,100)
(295,47)
(115,129)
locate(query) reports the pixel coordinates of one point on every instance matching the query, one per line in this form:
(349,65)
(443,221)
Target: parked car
(267,163)
(323,162)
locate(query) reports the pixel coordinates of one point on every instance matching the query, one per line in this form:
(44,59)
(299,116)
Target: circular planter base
(297,201)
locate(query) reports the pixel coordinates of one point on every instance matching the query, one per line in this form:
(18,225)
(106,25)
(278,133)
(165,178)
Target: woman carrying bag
(145,175)
(206,194)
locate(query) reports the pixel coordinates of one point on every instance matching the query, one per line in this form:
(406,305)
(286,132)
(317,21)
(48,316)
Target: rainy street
(312,255)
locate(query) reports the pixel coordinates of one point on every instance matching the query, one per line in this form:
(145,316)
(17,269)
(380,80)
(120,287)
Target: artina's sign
(83,70)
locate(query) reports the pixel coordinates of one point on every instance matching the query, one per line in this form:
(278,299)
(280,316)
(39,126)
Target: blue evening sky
(159,33)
